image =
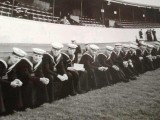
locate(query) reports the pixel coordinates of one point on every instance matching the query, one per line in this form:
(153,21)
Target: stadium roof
(139,3)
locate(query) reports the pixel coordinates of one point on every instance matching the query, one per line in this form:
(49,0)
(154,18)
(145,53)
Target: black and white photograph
(79,59)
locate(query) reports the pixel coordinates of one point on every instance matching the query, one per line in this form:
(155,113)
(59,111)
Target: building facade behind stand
(96,13)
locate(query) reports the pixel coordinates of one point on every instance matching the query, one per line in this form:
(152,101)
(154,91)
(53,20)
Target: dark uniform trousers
(139,62)
(40,90)
(83,81)
(148,63)
(156,60)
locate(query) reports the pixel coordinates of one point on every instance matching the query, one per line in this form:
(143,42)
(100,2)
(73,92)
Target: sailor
(148,59)
(40,82)
(92,66)
(80,77)
(137,63)
(12,87)
(117,58)
(3,70)
(60,84)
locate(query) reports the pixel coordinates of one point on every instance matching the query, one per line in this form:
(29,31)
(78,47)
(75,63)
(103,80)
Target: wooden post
(12,7)
(119,14)
(102,11)
(53,10)
(133,14)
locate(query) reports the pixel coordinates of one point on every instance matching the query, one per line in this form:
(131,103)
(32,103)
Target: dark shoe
(73,93)
(132,78)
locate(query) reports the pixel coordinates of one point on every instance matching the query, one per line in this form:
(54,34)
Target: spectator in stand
(141,34)
(78,50)
(18,12)
(65,21)
(149,35)
(154,35)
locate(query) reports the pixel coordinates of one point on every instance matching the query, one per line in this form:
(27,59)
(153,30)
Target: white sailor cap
(19,52)
(125,46)
(110,48)
(150,46)
(134,43)
(57,45)
(73,46)
(94,47)
(118,44)
(38,51)
(157,43)
(4,62)
(143,43)
(133,46)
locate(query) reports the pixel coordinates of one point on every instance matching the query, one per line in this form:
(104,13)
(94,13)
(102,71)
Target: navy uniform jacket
(68,60)
(91,66)
(105,60)
(117,59)
(52,66)
(88,61)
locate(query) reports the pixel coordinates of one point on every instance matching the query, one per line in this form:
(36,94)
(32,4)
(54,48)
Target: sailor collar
(107,57)
(57,59)
(37,65)
(69,57)
(4,62)
(87,53)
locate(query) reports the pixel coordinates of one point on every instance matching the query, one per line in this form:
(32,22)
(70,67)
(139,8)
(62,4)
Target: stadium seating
(137,24)
(85,21)
(36,13)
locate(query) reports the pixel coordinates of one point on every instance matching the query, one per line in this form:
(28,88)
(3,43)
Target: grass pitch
(136,100)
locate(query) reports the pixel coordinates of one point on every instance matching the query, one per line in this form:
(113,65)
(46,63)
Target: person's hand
(105,68)
(149,57)
(65,76)
(19,83)
(141,58)
(154,57)
(131,65)
(129,61)
(61,77)
(115,67)
(44,80)
(13,84)
(16,83)
(100,68)
(71,69)
(125,64)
